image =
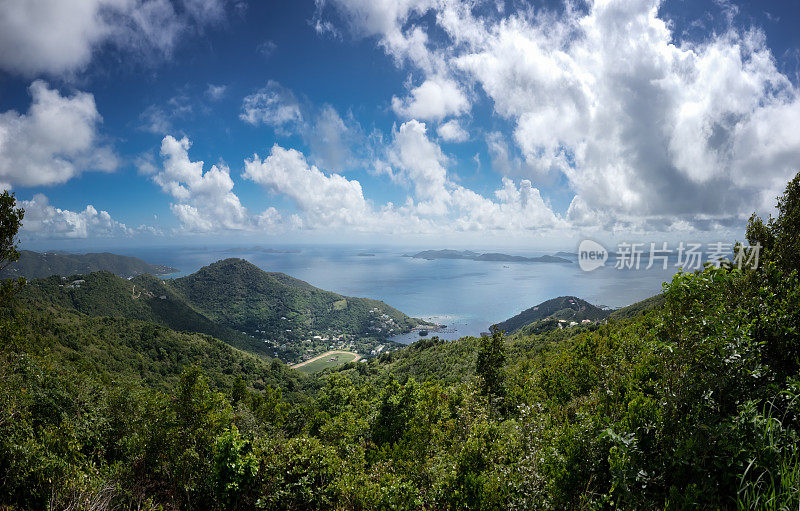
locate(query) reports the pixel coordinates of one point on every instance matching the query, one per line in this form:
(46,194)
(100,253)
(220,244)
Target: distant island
(36,265)
(490,256)
(365,254)
(262,249)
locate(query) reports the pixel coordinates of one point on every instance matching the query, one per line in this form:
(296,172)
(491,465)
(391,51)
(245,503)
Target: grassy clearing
(330,359)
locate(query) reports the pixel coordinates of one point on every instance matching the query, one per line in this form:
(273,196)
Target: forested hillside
(105,294)
(567,308)
(691,400)
(35,265)
(238,294)
(118,348)
(234,301)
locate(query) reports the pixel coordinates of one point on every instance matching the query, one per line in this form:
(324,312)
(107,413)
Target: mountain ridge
(247,298)
(268,313)
(34,265)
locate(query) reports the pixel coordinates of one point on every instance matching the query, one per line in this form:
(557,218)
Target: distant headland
(489,256)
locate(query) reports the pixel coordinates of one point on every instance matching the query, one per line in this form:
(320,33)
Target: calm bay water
(465,295)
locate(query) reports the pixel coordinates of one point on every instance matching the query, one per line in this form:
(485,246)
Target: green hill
(569,308)
(234,301)
(687,400)
(239,295)
(124,349)
(105,294)
(36,265)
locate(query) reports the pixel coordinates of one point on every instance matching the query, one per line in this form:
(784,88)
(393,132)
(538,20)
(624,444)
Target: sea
(466,296)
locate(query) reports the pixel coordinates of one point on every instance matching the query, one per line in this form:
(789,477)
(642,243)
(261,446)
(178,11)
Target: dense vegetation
(240,295)
(267,313)
(691,400)
(105,294)
(117,348)
(36,265)
(568,308)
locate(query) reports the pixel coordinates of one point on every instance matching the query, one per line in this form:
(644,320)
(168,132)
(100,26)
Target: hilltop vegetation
(118,348)
(36,265)
(105,294)
(661,408)
(234,301)
(567,308)
(638,308)
(690,400)
(240,295)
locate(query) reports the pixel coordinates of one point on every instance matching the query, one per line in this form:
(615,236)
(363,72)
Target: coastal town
(297,345)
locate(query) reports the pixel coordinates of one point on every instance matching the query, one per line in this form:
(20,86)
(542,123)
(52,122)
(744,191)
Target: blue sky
(425,121)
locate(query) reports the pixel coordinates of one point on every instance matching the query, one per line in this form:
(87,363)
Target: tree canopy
(684,402)
(10,223)
(778,236)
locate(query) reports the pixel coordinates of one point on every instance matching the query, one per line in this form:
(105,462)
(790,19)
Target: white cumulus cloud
(55,140)
(45,221)
(60,36)
(642,124)
(421,163)
(331,201)
(274,105)
(435,98)
(326,200)
(452,131)
(205,201)
(385,19)
(517,208)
